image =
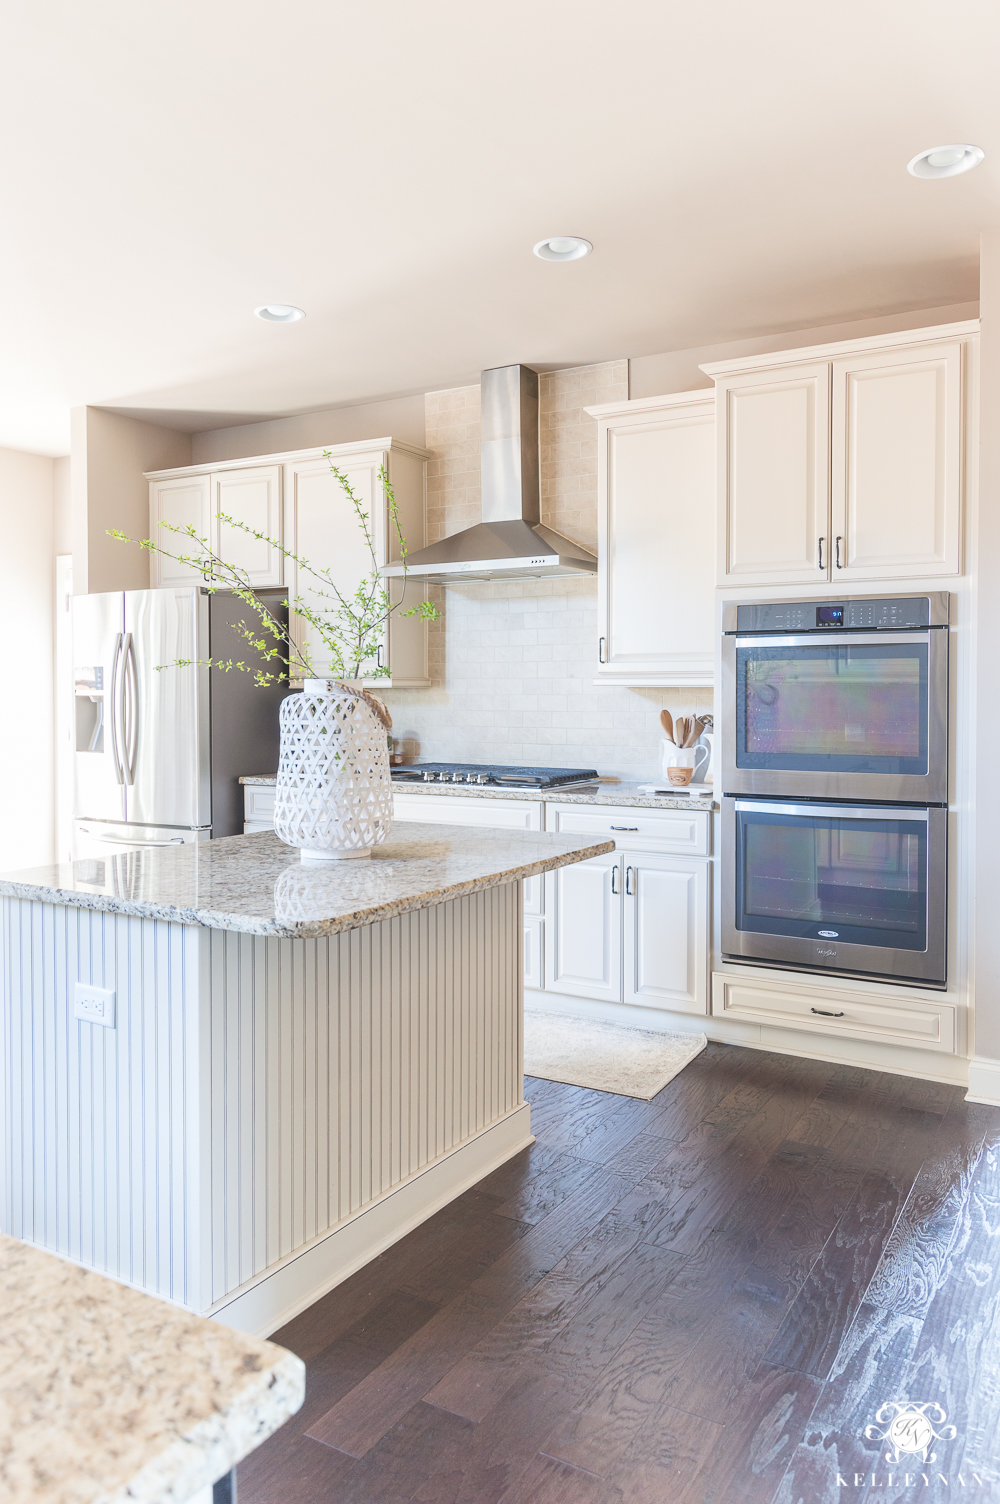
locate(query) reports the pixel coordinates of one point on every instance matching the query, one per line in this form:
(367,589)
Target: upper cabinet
(844,463)
(774,473)
(295,499)
(656,540)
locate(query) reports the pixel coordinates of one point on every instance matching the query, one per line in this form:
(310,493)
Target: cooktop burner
(496,774)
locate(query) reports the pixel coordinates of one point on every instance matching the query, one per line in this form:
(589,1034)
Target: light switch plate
(95,1005)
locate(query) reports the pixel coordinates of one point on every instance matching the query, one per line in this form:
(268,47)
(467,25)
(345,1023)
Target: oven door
(853,715)
(837,888)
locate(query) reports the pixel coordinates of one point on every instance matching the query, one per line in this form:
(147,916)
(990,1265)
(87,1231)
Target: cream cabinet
(295,499)
(252,497)
(774,476)
(632,927)
(180,501)
(656,540)
(897,463)
(844,463)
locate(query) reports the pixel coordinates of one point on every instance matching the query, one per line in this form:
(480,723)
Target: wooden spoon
(667,724)
(681,729)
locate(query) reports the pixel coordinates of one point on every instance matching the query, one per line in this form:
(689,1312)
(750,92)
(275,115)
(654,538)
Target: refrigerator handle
(130,709)
(114,718)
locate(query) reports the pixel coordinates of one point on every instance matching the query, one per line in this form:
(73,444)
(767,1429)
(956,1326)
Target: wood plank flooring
(703,1299)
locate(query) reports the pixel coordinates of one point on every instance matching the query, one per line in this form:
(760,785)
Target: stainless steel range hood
(510,543)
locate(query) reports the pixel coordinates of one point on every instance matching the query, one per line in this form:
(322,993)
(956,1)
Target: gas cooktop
(495,774)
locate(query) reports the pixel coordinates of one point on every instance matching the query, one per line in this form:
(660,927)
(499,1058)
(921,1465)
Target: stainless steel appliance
(511,542)
(495,774)
(835,783)
(844,699)
(159,750)
(859,889)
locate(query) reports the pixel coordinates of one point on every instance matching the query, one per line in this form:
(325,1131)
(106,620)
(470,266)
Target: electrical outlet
(95,1005)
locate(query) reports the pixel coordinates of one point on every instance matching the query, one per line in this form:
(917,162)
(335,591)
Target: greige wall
(110,454)
(27,587)
(677,370)
(397,417)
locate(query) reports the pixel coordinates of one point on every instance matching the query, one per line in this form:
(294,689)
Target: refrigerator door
(166,751)
(98,768)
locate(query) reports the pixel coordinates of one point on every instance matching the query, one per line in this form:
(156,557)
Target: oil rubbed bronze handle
(823,1013)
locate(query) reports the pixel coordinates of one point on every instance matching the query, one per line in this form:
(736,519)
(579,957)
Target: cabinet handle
(601,653)
(820,560)
(629,872)
(614,879)
(839,541)
(624,827)
(825,1013)
(378,656)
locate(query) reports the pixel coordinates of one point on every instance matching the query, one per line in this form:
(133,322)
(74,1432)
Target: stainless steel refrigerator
(159,750)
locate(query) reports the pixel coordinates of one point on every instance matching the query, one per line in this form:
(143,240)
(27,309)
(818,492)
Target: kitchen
(779,531)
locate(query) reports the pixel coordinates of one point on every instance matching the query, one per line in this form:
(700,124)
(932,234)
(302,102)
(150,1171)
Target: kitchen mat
(605,1057)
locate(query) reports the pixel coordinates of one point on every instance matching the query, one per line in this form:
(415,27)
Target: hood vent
(510,543)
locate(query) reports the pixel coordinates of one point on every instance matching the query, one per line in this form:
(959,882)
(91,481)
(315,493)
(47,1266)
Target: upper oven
(842,699)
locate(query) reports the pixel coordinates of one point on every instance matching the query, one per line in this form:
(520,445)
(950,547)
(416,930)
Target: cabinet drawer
(924,1025)
(439,809)
(672,832)
(258,803)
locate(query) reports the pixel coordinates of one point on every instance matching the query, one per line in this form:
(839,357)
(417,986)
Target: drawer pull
(824,1013)
(624,827)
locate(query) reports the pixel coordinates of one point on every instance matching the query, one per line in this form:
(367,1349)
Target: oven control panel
(863,614)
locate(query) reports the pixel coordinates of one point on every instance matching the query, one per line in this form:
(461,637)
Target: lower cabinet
(665,950)
(630,928)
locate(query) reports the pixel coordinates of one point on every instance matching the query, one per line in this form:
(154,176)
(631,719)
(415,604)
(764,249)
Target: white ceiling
(740,169)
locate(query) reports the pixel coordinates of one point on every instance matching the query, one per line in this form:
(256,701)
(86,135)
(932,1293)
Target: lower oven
(859,890)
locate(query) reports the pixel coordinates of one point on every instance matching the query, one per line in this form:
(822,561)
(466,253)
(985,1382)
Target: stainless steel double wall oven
(835,784)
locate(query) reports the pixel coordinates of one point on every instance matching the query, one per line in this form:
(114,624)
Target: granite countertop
(258,885)
(615,792)
(110,1395)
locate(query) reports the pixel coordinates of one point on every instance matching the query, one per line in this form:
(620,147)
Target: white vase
(334,792)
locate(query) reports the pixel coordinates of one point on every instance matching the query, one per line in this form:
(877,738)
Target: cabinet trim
(808,353)
(359,446)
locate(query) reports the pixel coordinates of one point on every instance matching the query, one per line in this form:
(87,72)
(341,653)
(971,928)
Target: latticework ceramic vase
(334,791)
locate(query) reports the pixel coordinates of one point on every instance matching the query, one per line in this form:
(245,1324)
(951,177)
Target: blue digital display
(829,616)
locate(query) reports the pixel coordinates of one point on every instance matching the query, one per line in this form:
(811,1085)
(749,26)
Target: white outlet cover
(94,1005)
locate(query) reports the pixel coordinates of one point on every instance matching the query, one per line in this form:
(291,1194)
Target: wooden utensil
(667,724)
(681,730)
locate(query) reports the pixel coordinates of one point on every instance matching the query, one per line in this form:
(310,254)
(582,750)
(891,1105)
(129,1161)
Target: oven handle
(836,639)
(805,811)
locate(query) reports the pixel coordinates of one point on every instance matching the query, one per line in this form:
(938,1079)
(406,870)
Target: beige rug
(605,1057)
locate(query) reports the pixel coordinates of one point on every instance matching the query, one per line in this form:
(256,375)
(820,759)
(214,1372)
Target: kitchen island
(233,1078)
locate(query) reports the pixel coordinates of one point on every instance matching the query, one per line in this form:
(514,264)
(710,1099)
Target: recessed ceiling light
(563,248)
(279,313)
(945,161)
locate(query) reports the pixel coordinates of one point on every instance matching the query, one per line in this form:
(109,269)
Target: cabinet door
(583,947)
(534,930)
(182,501)
(253,497)
(656,550)
(897,463)
(323,529)
(773,476)
(666,932)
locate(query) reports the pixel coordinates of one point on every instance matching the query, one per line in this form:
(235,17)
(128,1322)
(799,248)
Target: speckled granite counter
(109,1395)
(259,886)
(594,793)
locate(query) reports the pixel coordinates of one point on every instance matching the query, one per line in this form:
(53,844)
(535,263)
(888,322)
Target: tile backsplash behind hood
(512,664)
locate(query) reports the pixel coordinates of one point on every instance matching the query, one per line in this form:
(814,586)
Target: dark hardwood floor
(704,1299)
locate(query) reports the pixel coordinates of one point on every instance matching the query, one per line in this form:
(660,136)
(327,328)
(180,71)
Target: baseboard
(872,1055)
(984,1081)
(263,1305)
